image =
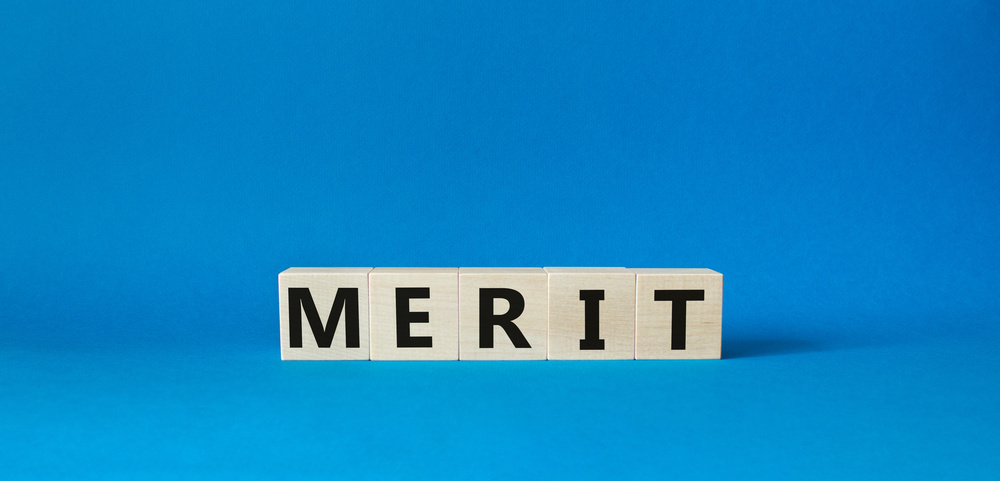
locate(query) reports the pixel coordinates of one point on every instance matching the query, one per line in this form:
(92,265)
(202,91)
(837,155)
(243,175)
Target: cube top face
(414,313)
(319,271)
(591,313)
(324,314)
(414,270)
(675,272)
(501,270)
(503,313)
(585,270)
(678,314)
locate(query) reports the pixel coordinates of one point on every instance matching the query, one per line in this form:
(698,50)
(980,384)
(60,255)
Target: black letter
(300,299)
(487,319)
(678,313)
(404,317)
(592,321)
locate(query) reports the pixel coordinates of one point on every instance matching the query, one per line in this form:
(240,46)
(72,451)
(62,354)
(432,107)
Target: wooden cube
(414,313)
(678,314)
(591,313)
(503,313)
(324,313)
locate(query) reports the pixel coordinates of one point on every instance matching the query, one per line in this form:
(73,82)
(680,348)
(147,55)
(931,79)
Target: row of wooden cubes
(500,313)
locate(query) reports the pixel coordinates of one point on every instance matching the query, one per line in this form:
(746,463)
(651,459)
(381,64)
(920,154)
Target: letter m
(346,302)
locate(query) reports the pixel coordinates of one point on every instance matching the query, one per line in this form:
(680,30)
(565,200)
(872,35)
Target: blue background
(161,162)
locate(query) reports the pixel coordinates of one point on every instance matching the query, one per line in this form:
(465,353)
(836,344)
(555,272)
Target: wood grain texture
(323,285)
(654,318)
(567,312)
(440,306)
(532,323)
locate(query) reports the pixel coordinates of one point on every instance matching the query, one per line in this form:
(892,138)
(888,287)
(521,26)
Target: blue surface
(160,163)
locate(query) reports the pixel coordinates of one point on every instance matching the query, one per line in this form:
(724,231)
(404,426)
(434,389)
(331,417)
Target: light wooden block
(678,314)
(607,296)
(324,313)
(414,313)
(515,315)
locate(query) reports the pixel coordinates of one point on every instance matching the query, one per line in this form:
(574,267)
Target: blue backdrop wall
(161,162)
